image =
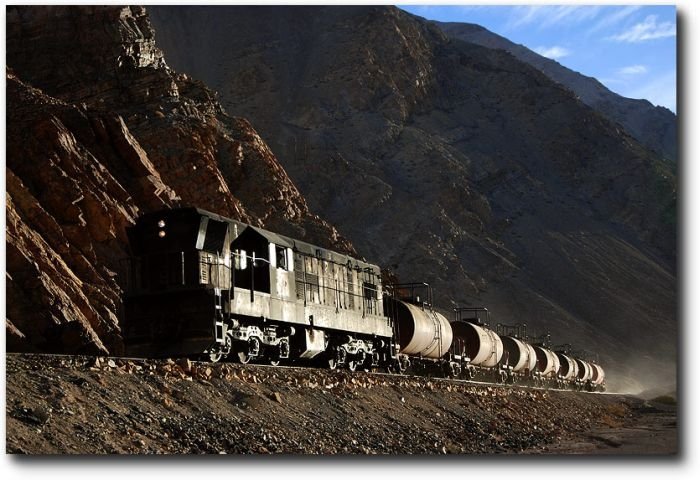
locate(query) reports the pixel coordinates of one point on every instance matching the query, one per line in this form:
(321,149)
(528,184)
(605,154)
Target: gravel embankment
(100,405)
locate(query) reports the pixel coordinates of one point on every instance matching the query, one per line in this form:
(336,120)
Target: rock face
(99,130)
(455,164)
(654,127)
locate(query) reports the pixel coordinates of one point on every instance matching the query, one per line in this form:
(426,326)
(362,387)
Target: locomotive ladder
(218,308)
(218,316)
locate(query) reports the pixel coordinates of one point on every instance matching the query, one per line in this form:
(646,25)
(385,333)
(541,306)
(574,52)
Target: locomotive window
(216,234)
(281,254)
(240,261)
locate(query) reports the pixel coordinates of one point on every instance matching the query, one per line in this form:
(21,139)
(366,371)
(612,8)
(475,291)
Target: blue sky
(630,49)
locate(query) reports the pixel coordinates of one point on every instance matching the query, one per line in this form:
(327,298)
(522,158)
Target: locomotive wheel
(274,362)
(352,365)
(253,349)
(332,363)
(243,357)
(367,365)
(218,354)
(215,356)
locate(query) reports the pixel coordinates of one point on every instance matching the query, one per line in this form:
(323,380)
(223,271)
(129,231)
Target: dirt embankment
(100,405)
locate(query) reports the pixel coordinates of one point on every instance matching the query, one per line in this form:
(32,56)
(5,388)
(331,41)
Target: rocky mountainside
(100,130)
(455,164)
(654,127)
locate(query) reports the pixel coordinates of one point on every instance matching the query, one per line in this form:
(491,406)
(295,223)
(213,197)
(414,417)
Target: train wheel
(215,356)
(243,357)
(219,353)
(352,365)
(252,351)
(361,361)
(332,363)
(404,364)
(369,362)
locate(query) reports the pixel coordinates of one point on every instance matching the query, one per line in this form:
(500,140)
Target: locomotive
(202,285)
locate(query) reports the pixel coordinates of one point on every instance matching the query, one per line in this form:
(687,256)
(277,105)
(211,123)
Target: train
(200,285)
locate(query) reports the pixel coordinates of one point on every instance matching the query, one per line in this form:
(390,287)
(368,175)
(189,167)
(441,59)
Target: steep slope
(654,127)
(454,164)
(100,129)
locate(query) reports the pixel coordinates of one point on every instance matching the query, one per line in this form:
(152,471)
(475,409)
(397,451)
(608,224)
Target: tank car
(519,358)
(477,348)
(568,371)
(422,334)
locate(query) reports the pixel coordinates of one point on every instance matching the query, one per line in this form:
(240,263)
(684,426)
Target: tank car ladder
(437,330)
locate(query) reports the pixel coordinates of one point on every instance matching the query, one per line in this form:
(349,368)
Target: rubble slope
(99,405)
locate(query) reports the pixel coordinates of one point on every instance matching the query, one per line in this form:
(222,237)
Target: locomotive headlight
(161,234)
(161,223)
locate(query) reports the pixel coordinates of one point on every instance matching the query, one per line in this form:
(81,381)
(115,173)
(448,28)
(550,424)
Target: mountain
(654,127)
(458,165)
(100,130)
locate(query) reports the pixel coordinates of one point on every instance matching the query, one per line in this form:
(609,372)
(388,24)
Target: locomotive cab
(178,272)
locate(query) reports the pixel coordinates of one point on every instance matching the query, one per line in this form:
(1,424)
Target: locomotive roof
(298,245)
(312,250)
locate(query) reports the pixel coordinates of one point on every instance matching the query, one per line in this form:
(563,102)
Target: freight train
(199,284)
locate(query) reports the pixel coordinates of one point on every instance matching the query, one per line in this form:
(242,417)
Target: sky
(631,49)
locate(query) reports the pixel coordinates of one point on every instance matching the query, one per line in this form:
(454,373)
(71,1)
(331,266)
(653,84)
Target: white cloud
(614,18)
(633,70)
(647,30)
(553,52)
(550,15)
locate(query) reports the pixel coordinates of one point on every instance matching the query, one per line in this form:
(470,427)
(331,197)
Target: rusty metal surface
(484,347)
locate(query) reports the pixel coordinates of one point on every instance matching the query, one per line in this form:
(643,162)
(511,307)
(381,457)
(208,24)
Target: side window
(240,261)
(281,254)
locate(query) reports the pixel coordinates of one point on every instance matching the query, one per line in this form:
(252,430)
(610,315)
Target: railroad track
(458,381)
